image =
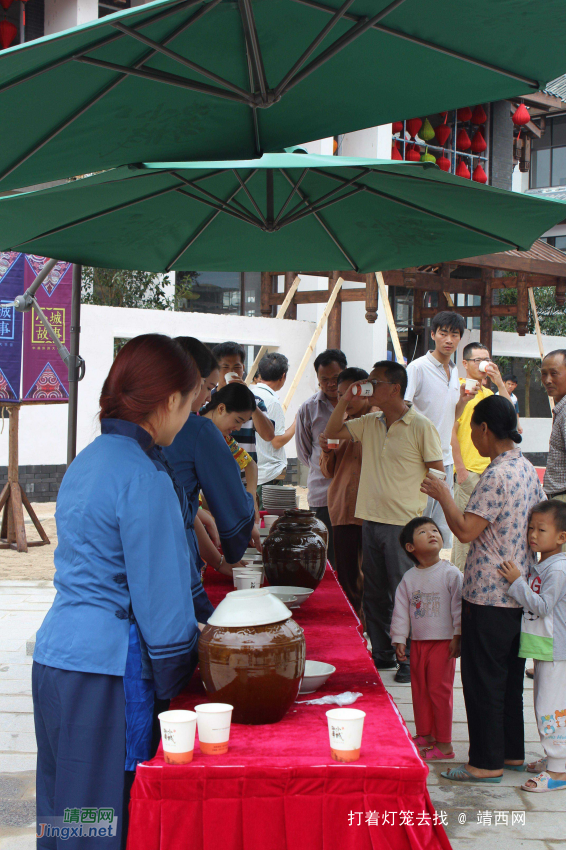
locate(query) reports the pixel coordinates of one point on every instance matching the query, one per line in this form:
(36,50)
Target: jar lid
(249,607)
(298,512)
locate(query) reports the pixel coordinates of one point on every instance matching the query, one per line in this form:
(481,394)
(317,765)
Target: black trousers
(348,554)
(492,680)
(322,513)
(384,565)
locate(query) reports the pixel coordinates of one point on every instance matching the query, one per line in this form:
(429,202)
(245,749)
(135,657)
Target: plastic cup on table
(178,730)
(249,572)
(268,520)
(471,384)
(213,720)
(247,581)
(345,728)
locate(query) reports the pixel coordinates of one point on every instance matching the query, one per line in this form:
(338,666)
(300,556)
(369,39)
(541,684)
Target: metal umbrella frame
(236,78)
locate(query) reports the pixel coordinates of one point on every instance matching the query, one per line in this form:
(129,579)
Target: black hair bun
(515,436)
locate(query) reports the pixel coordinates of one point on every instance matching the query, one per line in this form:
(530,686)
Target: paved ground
(476,814)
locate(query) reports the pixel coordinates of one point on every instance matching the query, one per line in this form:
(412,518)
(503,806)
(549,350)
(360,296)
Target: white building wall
(62,14)
(43,428)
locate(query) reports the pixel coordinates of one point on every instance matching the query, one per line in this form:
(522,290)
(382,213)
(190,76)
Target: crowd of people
(399,461)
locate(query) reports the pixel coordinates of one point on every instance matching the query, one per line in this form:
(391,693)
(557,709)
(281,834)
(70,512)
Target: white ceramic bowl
(249,608)
(302,593)
(289,599)
(316,674)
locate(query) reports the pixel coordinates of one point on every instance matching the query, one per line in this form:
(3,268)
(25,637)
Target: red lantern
(413,154)
(413,126)
(479,115)
(465,113)
(395,152)
(6,3)
(8,32)
(479,144)
(443,162)
(462,140)
(521,116)
(442,133)
(479,174)
(462,170)
(397,127)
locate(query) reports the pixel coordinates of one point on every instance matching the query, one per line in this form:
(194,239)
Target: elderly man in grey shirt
(312,417)
(553,377)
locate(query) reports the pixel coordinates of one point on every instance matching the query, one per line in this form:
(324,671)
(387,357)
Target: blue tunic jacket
(201,460)
(122,556)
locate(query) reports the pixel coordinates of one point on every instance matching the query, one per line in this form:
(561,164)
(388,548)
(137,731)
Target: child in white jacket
(543,635)
(428,605)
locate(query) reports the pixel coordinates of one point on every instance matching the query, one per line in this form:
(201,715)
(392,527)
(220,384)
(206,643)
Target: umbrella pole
(280,315)
(74,364)
(312,343)
(389,317)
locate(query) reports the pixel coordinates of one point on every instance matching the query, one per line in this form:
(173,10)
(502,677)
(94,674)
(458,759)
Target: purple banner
(11,284)
(44,373)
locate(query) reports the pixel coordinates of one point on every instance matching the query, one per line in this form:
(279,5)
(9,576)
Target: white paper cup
(345,727)
(214,719)
(436,473)
(333,443)
(247,582)
(269,519)
(240,572)
(470,385)
(365,389)
(178,735)
(231,376)
(483,366)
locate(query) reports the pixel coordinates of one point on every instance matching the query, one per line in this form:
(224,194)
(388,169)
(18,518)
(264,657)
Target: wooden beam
(371,298)
(280,315)
(389,316)
(334,326)
(475,312)
(292,311)
(266,290)
(347,276)
(560,292)
(522,304)
(312,343)
(320,296)
(432,282)
(511,262)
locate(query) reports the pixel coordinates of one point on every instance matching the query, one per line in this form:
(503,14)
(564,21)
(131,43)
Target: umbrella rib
(252,40)
(204,226)
(312,47)
(162,77)
(295,211)
(316,207)
(171,54)
(220,207)
(107,89)
(316,4)
(359,28)
(293,190)
(99,215)
(218,201)
(50,66)
(250,196)
(323,225)
(427,211)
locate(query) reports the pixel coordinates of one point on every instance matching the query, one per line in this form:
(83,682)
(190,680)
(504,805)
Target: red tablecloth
(277,788)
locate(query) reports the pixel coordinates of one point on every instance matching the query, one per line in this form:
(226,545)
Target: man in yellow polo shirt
(468,463)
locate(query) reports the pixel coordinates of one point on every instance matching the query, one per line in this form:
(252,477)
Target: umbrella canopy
(283,211)
(215,79)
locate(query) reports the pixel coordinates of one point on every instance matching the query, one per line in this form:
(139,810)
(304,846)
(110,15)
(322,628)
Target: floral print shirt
(505,495)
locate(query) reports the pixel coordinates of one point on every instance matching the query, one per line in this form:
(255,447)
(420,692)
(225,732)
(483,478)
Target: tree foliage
(125,288)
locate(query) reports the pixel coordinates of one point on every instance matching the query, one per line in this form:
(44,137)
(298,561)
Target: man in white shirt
(434,388)
(271,457)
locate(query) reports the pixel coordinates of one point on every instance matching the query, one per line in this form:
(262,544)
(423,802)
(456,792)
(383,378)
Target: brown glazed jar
(294,555)
(303,517)
(257,669)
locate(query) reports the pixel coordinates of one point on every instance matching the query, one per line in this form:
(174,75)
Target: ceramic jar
(304,518)
(254,665)
(294,556)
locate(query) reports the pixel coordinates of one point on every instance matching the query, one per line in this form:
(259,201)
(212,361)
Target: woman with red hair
(122,629)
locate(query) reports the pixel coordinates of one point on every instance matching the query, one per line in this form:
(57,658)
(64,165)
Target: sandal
(462,774)
(537,766)
(433,753)
(518,767)
(545,782)
(420,741)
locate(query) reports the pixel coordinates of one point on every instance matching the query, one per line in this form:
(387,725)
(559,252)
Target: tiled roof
(558,87)
(541,251)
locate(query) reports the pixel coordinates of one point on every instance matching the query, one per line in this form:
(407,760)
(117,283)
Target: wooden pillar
(292,309)
(560,292)
(371,299)
(522,304)
(334,327)
(486,319)
(415,340)
(266,290)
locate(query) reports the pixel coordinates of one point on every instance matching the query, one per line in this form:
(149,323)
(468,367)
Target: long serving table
(277,787)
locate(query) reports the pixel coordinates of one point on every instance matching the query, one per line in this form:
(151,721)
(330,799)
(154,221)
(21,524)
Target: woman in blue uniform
(122,629)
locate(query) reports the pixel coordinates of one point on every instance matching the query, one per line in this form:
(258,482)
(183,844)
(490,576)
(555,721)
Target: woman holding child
(495,523)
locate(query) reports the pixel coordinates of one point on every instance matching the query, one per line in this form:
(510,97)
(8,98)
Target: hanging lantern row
(8,32)
(413,153)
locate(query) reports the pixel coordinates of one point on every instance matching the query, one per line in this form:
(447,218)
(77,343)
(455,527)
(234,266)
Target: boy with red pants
(428,605)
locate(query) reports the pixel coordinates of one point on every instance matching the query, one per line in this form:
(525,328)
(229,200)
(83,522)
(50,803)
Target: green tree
(125,288)
(552,320)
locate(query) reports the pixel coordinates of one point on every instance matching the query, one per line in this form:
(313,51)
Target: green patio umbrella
(283,211)
(182,80)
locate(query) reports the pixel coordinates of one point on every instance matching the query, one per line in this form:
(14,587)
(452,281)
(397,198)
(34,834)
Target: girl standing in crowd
(495,523)
(428,606)
(122,627)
